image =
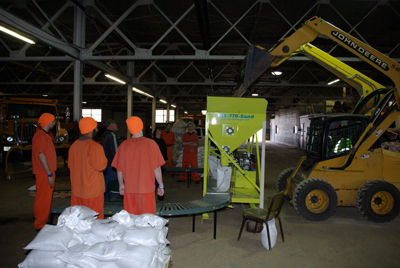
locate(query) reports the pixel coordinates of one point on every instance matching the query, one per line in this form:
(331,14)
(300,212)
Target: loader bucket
(256,63)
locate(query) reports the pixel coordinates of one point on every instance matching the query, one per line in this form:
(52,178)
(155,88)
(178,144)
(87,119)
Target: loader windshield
(334,136)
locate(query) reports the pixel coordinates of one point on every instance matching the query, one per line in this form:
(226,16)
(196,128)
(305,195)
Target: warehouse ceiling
(180,50)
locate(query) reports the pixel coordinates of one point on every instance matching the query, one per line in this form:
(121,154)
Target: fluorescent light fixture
(115,79)
(203,112)
(142,92)
(45,95)
(277,73)
(186,112)
(254,94)
(334,81)
(7,31)
(84,102)
(172,105)
(163,101)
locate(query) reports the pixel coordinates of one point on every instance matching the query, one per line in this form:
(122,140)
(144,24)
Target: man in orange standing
(169,138)
(44,165)
(138,160)
(190,142)
(87,161)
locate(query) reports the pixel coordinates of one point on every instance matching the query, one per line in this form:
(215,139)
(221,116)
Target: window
(161,116)
(94,113)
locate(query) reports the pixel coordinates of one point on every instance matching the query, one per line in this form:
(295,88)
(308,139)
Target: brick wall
(286,122)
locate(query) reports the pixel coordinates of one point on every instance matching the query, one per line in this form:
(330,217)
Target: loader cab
(334,136)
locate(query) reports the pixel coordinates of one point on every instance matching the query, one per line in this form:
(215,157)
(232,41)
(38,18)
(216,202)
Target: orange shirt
(86,161)
(168,137)
(190,138)
(43,143)
(137,158)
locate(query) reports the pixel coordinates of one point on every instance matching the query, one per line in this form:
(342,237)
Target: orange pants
(169,155)
(189,159)
(44,195)
(140,203)
(95,203)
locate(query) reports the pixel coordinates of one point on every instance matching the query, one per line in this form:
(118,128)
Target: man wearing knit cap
(44,165)
(138,160)
(87,161)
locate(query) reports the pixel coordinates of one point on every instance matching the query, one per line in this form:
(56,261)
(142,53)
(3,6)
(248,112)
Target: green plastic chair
(256,214)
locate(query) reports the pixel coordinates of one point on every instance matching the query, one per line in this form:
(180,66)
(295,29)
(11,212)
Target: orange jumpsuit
(169,139)
(43,143)
(137,158)
(86,161)
(189,157)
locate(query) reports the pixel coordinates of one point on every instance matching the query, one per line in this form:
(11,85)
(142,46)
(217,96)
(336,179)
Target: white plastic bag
(42,259)
(108,230)
(221,174)
(72,215)
(51,237)
(124,218)
(150,220)
(273,233)
(138,257)
(150,237)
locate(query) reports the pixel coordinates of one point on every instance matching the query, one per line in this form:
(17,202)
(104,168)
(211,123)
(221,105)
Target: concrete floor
(344,240)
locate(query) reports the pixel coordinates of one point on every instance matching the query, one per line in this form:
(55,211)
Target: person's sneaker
(197,182)
(180,181)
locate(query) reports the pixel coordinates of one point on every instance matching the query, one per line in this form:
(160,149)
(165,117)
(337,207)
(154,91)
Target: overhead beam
(44,37)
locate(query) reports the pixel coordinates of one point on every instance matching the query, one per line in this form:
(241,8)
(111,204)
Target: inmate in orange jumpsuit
(86,161)
(169,139)
(137,158)
(43,143)
(189,157)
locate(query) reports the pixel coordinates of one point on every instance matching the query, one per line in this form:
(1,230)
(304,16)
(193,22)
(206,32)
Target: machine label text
(356,47)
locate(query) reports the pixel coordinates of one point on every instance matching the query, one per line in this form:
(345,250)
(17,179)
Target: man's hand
(51,180)
(122,189)
(160,192)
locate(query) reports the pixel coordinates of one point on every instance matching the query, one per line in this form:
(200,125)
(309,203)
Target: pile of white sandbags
(81,240)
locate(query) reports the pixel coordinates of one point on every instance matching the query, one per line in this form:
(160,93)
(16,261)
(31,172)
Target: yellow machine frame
(230,122)
(347,174)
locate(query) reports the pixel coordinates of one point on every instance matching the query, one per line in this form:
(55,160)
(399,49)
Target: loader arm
(315,27)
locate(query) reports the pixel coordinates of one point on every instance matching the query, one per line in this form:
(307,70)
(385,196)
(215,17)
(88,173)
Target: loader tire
(281,181)
(315,199)
(378,201)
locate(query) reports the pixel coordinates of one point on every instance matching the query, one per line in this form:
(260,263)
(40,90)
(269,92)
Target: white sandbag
(108,230)
(90,239)
(163,255)
(213,163)
(145,236)
(221,174)
(51,237)
(43,259)
(83,226)
(124,218)
(71,215)
(223,178)
(75,240)
(107,251)
(74,255)
(273,233)
(150,220)
(138,257)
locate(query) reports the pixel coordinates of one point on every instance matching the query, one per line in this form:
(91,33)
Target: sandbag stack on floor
(81,240)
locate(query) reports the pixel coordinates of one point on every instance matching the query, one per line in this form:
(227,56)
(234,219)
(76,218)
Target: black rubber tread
(302,190)
(365,194)
(281,179)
